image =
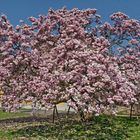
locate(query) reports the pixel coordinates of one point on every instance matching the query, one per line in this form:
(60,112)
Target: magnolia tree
(14,61)
(125,35)
(129,62)
(69,56)
(130,66)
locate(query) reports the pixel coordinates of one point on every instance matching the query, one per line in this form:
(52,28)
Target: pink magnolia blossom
(73,65)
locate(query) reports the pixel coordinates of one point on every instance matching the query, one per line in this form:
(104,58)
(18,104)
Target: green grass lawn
(8,115)
(98,128)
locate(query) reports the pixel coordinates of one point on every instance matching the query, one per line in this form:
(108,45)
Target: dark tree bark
(68,111)
(131,111)
(55,112)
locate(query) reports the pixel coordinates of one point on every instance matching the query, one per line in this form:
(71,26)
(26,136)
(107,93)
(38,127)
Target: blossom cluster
(56,60)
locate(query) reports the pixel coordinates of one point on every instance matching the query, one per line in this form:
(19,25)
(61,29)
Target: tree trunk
(131,111)
(68,111)
(55,111)
(82,116)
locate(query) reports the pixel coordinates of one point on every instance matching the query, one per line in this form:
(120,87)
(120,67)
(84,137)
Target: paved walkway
(61,107)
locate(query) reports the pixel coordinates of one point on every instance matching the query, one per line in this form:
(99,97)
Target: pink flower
(133,42)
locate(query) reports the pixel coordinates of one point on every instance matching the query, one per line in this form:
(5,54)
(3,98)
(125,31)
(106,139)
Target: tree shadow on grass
(23,120)
(40,118)
(99,128)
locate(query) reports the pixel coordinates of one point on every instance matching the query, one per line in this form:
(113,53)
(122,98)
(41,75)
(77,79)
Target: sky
(22,9)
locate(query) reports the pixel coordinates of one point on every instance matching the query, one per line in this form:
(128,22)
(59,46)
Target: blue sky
(22,9)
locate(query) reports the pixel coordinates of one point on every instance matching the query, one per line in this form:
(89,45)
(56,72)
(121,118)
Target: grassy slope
(99,128)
